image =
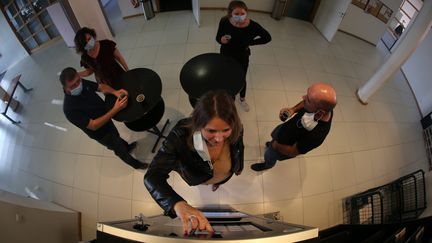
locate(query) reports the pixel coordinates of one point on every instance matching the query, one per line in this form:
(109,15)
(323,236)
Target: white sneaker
(244,105)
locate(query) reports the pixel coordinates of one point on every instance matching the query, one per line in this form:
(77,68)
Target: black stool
(149,121)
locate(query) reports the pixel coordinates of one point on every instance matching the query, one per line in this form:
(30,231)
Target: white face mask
(308,121)
(90,44)
(239,18)
(77,91)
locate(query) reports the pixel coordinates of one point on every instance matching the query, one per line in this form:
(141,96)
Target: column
(414,37)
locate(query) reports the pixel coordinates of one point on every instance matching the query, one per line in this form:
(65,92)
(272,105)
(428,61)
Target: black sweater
(241,38)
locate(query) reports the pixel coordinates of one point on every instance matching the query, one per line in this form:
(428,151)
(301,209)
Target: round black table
(139,83)
(211,71)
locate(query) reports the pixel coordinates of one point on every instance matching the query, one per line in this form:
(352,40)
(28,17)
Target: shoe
(215,187)
(259,167)
(132,146)
(244,104)
(142,166)
(267,144)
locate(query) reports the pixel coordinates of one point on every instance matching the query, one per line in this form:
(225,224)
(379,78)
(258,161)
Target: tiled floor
(367,145)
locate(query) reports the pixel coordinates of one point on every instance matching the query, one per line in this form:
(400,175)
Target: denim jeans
(271,155)
(114,142)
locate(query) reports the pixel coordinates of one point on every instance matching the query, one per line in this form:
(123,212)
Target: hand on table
(119,92)
(120,104)
(187,214)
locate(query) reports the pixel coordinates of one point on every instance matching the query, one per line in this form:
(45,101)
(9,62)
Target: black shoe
(132,146)
(142,166)
(259,167)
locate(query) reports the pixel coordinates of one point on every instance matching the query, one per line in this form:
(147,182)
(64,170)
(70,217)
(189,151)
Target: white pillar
(414,37)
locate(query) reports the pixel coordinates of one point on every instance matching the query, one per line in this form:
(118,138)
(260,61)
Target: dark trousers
(243,60)
(271,155)
(114,142)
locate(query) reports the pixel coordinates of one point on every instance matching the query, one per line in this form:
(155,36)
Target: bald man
(308,126)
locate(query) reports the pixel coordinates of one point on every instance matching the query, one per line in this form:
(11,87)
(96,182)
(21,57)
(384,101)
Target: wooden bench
(8,97)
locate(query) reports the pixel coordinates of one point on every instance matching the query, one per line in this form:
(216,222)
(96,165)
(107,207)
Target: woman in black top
(99,57)
(206,148)
(236,33)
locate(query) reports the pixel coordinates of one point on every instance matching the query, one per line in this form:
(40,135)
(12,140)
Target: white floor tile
(291,211)
(112,208)
(87,204)
(315,175)
(87,173)
(318,210)
(116,178)
(287,186)
(246,188)
(372,143)
(343,170)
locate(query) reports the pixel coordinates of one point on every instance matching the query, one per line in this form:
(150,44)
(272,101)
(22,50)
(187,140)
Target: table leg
(10,119)
(24,88)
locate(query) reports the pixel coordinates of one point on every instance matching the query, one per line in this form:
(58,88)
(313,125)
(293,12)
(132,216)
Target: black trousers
(243,60)
(114,142)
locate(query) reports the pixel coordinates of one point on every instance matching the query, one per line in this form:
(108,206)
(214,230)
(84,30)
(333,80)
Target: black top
(211,71)
(105,66)
(144,87)
(293,132)
(241,38)
(88,105)
(176,155)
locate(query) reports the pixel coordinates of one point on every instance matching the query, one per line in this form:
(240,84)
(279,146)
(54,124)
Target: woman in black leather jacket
(206,148)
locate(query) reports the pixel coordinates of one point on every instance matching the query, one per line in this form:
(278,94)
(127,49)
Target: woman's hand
(119,93)
(187,214)
(120,104)
(225,39)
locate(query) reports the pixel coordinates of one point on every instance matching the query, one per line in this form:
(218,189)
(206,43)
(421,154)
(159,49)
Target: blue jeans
(271,155)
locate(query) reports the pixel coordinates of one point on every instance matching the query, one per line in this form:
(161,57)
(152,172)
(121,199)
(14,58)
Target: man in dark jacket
(86,110)
(306,130)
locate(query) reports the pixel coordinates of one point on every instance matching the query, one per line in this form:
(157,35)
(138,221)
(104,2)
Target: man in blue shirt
(86,110)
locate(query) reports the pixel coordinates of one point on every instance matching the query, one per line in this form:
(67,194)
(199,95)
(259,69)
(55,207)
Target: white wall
(11,49)
(364,25)
(419,73)
(28,220)
(105,2)
(127,10)
(89,14)
(260,5)
(62,23)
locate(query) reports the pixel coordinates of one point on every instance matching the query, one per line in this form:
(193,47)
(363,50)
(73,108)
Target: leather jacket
(175,154)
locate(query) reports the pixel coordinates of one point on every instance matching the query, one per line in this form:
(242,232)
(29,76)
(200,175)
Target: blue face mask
(90,44)
(77,91)
(239,18)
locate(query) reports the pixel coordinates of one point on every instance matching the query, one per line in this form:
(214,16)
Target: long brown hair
(235,4)
(215,104)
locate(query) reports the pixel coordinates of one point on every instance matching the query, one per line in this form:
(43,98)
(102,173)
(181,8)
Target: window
(407,13)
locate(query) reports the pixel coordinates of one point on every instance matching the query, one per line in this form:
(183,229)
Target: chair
(149,121)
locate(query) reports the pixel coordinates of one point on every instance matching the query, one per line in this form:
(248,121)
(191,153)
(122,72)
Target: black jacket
(176,155)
